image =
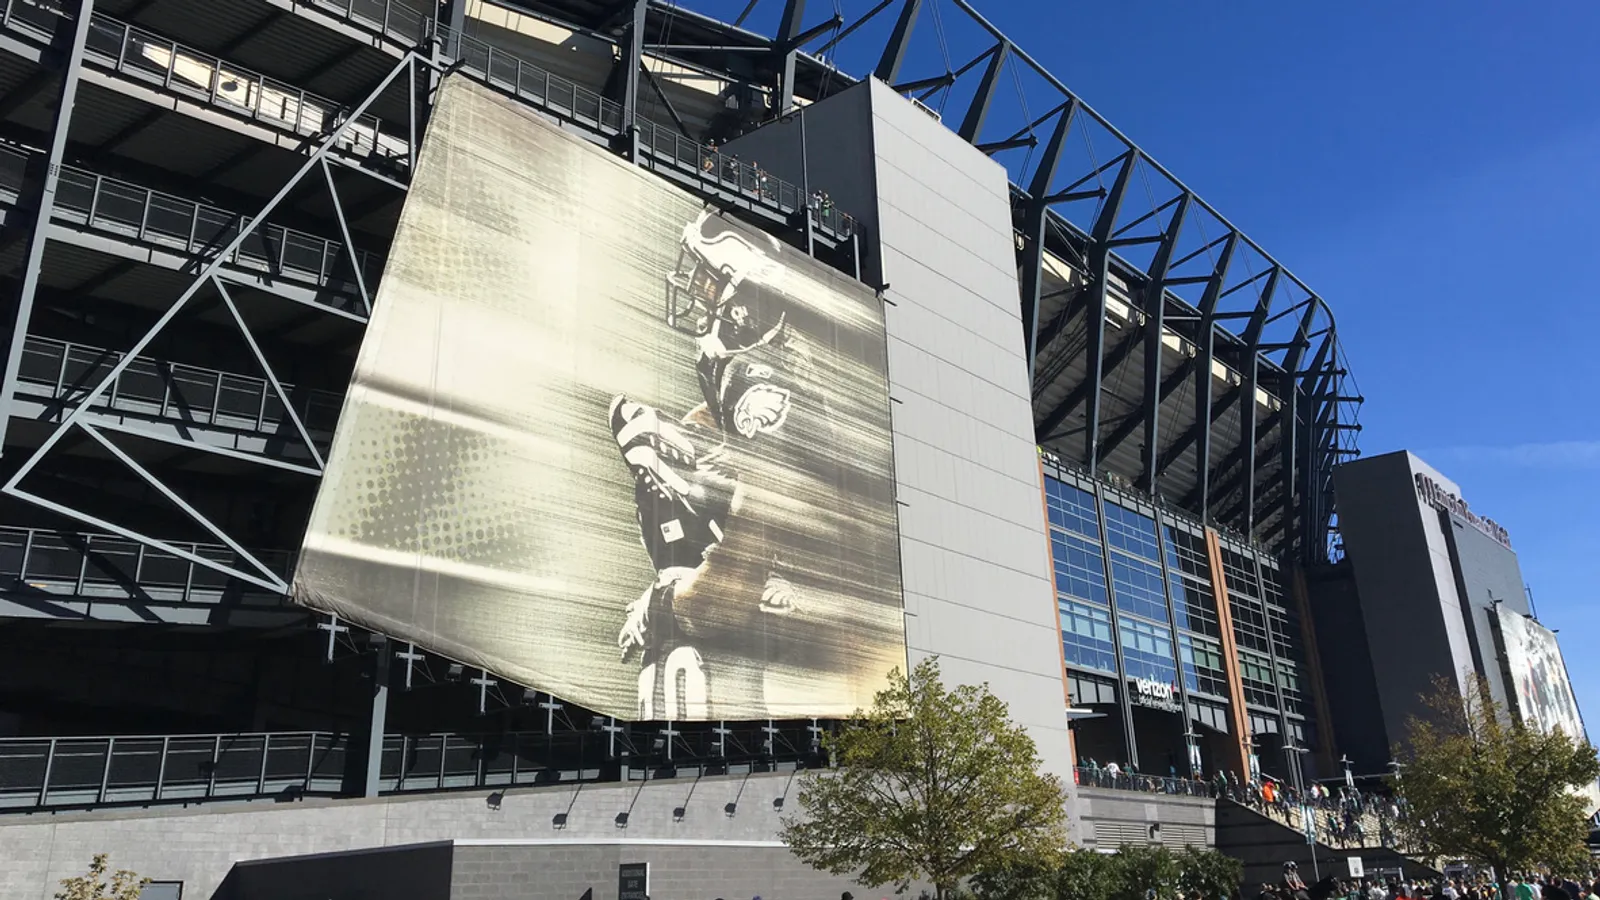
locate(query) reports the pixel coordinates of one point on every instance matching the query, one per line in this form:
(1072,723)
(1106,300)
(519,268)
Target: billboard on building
(606,443)
(1541,693)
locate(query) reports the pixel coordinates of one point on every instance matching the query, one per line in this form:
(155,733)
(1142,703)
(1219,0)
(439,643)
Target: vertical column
(1172,623)
(1272,652)
(364,757)
(1314,678)
(67,54)
(1055,593)
(1124,704)
(1240,757)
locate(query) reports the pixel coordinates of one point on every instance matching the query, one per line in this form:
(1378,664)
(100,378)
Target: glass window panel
(1079,568)
(1138,587)
(1071,508)
(1131,532)
(1202,665)
(1086,637)
(1147,651)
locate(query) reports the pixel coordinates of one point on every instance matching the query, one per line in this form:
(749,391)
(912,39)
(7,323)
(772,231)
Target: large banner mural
(1541,692)
(1539,686)
(607,443)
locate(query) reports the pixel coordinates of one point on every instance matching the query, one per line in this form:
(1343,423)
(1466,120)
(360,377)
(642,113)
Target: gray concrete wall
(1389,539)
(974,550)
(705,854)
(836,159)
(199,845)
(419,872)
(1487,572)
(1114,818)
(975,553)
(518,870)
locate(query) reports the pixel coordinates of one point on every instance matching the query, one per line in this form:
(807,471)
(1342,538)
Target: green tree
(1478,785)
(1145,871)
(1215,876)
(124,885)
(1128,874)
(930,784)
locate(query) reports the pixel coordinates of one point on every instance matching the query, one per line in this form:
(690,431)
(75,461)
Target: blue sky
(1432,169)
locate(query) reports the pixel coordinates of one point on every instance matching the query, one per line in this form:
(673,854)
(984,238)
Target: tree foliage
(123,884)
(930,784)
(1129,874)
(1480,786)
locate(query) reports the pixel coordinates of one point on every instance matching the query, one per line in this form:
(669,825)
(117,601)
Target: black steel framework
(1243,419)
(246,192)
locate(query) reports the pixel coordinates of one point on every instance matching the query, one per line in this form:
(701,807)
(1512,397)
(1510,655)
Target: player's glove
(635,624)
(779,596)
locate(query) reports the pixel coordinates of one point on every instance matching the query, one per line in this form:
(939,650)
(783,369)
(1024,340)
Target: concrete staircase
(1264,843)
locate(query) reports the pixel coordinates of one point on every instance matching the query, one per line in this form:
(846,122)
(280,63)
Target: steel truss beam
(1289,443)
(1031,263)
(894,51)
(210,273)
(1201,365)
(1090,393)
(1155,322)
(67,55)
(1252,383)
(978,109)
(1157,455)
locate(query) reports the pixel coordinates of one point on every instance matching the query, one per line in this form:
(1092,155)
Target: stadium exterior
(1108,494)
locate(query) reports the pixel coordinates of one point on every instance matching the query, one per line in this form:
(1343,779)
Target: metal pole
(376,723)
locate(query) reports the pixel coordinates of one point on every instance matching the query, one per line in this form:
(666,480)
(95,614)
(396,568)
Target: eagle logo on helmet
(718,263)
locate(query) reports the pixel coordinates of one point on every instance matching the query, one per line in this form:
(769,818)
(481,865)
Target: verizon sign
(1154,694)
(1431,493)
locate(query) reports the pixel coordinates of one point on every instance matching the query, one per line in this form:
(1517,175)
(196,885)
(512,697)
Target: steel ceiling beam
(787,45)
(1200,365)
(1251,387)
(1100,282)
(1155,323)
(894,51)
(978,109)
(1031,261)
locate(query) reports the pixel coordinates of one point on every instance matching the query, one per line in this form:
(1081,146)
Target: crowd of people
(1521,886)
(1342,817)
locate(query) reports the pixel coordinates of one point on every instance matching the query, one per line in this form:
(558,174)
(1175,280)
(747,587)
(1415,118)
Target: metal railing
(103,567)
(155,388)
(192,229)
(569,100)
(45,773)
(146,56)
(151,58)
(78,772)
(660,144)
(1095,777)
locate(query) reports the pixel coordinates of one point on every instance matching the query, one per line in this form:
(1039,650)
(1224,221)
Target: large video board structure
(608,443)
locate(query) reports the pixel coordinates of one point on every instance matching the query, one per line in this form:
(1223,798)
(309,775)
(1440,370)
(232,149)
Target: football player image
(690,474)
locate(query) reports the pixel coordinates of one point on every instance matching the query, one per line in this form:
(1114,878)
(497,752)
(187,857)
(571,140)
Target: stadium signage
(1154,694)
(1434,494)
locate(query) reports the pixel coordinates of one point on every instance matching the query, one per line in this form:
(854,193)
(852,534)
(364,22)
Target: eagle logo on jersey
(688,489)
(761,409)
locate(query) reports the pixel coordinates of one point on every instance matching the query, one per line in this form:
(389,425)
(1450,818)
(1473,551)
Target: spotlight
(559,820)
(622,820)
(678,813)
(455,672)
(530,697)
(731,809)
(493,800)
(777,803)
